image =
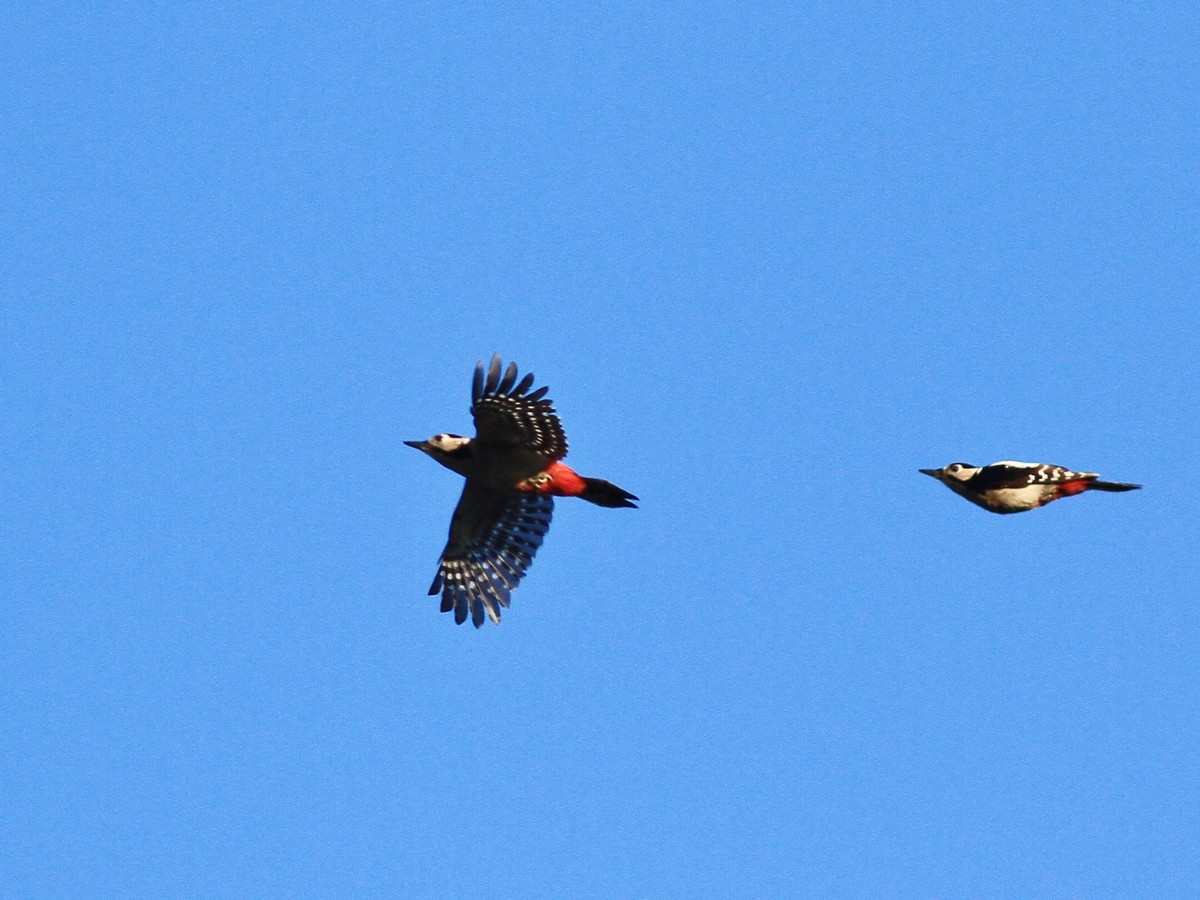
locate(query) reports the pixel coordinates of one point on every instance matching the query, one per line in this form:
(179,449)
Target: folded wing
(1018,475)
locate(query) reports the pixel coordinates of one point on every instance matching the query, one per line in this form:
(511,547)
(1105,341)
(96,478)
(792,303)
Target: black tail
(1111,486)
(605,493)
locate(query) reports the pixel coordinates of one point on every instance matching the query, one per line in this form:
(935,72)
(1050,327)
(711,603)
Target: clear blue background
(771,259)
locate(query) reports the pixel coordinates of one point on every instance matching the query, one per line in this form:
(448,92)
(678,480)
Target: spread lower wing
(493,538)
(507,413)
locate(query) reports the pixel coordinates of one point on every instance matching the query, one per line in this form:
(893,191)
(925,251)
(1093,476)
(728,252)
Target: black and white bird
(513,473)
(1009,486)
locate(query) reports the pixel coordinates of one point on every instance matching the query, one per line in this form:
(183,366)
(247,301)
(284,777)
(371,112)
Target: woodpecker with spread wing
(514,471)
(1009,486)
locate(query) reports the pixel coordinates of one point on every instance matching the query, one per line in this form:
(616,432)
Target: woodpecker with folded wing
(514,471)
(1009,486)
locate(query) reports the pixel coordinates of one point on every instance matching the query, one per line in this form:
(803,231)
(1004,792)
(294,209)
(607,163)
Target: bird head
(958,471)
(441,445)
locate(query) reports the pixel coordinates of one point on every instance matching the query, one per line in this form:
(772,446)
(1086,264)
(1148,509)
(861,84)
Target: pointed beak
(419,445)
(932,473)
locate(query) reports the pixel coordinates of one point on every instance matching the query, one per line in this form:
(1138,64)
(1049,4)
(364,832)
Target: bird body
(513,471)
(1010,486)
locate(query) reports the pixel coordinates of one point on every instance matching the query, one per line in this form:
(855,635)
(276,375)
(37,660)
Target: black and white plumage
(493,537)
(512,472)
(506,415)
(1010,486)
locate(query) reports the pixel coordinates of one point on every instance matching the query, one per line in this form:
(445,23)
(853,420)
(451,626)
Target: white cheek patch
(448,442)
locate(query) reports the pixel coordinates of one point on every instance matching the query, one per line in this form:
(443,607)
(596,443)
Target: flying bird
(1009,486)
(514,471)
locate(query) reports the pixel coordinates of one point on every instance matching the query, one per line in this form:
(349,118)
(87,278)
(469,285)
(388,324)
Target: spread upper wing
(493,538)
(507,414)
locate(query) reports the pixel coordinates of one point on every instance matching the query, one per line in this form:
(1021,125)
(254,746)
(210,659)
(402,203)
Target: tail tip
(605,493)
(1115,486)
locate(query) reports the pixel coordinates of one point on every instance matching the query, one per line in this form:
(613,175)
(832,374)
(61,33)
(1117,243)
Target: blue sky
(771,259)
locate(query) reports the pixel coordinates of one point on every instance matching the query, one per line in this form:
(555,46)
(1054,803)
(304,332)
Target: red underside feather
(1070,488)
(559,479)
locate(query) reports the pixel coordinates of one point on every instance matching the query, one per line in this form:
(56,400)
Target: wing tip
(497,379)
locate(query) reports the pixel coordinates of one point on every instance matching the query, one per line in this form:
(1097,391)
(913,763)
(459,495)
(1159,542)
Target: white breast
(1013,499)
